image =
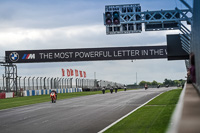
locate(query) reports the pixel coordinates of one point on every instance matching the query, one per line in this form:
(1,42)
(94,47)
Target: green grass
(21,101)
(152,118)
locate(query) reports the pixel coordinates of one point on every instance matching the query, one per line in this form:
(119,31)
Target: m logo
(28,56)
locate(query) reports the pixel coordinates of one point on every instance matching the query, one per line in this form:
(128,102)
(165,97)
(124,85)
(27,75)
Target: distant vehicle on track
(103,90)
(116,88)
(146,86)
(111,90)
(124,88)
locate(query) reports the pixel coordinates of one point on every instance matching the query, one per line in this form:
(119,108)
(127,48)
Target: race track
(87,114)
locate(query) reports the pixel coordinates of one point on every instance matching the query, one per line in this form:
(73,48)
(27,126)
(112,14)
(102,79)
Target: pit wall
(46,92)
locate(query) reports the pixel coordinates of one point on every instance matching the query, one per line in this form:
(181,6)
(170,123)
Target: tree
(148,83)
(154,83)
(142,83)
(168,82)
(177,82)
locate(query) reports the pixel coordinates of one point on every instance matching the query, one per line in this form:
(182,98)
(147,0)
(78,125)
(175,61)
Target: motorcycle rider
(116,87)
(146,86)
(124,88)
(111,89)
(103,90)
(55,93)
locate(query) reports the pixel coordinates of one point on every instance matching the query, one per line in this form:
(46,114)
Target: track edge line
(112,124)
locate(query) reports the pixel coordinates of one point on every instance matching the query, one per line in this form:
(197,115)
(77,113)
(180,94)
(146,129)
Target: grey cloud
(37,14)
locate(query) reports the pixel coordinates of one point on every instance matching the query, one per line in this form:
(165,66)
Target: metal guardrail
(38,83)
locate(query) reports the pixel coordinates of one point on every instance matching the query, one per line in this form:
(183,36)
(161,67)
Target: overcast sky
(62,24)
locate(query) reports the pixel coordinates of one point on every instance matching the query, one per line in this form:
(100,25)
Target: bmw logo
(14,56)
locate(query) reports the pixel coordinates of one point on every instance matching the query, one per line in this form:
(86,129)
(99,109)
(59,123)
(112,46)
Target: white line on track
(106,128)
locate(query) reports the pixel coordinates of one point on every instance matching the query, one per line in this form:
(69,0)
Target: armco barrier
(47,92)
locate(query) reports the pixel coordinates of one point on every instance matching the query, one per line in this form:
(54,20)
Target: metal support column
(195,45)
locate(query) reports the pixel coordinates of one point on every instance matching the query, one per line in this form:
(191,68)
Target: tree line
(166,82)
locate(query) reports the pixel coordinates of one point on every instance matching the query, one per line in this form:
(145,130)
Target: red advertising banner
(72,72)
(81,74)
(68,73)
(76,73)
(84,73)
(63,72)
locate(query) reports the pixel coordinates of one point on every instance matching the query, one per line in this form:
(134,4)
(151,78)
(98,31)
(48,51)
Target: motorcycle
(115,90)
(53,97)
(103,91)
(146,86)
(111,90)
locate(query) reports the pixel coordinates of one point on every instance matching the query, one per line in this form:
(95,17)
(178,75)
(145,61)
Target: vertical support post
(62,83)
(65,83)
(37,82)
(54,83)
(29,83)
(51,84)
(48,83)
(15,78)
(33,83)
(44,82)
(19,82)
(24,83)
(82,83)
(40,83)
(76,83)
(3,83)
(71,82)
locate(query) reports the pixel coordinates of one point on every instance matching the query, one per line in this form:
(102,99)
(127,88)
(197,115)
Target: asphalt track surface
(87,114)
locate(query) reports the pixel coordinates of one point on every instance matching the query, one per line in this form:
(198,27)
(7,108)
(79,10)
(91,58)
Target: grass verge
(21,101)
(151,118)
